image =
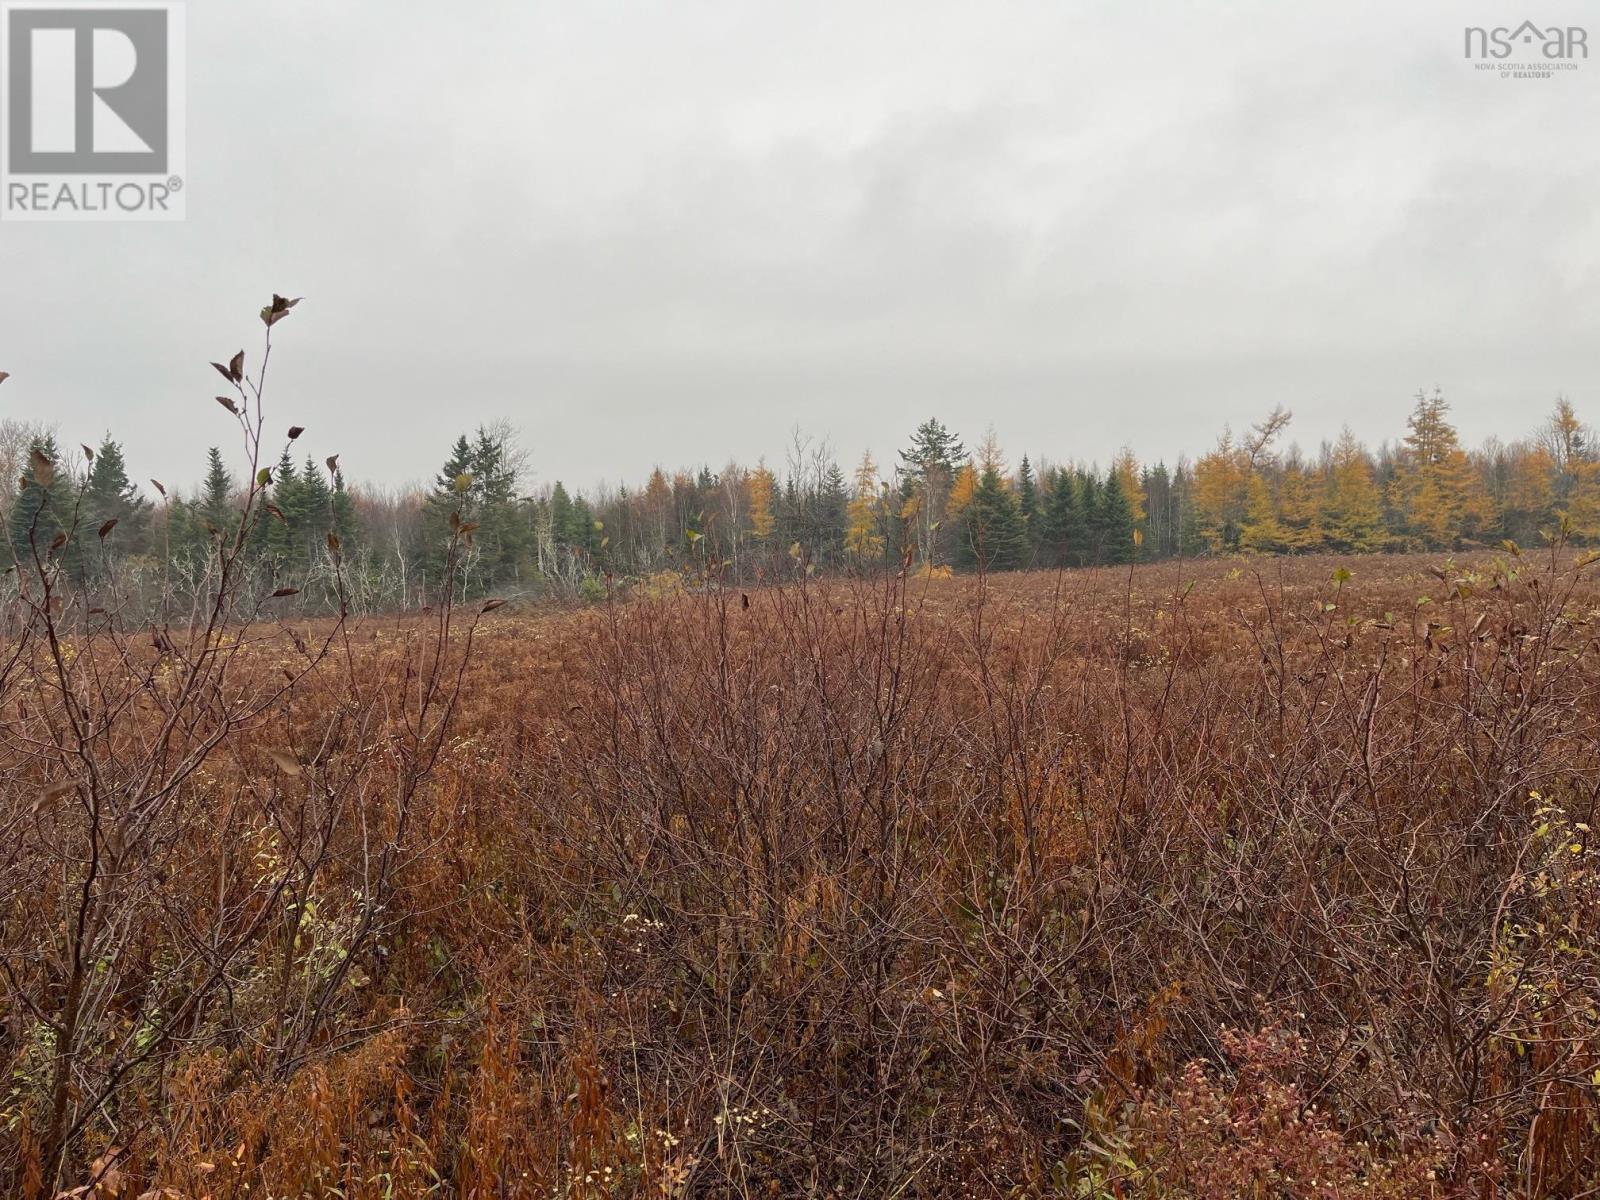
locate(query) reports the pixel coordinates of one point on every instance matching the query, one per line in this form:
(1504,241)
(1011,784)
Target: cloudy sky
(670,233)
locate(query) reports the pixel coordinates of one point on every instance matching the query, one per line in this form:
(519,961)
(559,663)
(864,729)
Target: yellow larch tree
(1575,473)
(1220,495)
(759,488)
(1299,510)
(1439,495)
(1352,505)
(862,541)
(1126,470)
(961,491)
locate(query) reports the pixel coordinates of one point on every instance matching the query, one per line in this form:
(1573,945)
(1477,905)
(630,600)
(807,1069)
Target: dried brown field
(1199,880)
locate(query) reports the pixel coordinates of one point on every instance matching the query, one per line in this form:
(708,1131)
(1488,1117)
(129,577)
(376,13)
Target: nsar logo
(93,128)
(1553,42)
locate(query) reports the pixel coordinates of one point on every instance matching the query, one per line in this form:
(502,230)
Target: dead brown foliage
(1190,881)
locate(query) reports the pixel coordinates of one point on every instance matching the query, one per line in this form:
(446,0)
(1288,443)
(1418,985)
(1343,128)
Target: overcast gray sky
(668,233)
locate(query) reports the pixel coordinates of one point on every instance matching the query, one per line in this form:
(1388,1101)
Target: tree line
(937,506)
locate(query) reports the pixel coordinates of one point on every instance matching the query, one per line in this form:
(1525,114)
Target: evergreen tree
(1189,540)
(792,526)
(217,507)
(501,539)
(928,470)
(346,522)
(455,490)
(1064,532)
(1113,524)
(278,534)
(1086,552)
(1028,505)
(460,462)
(993,535)
(832,502)
(584,535)
(572,521)
(562,516)
(316,506)
(109,495)
(44,509)
(933,449)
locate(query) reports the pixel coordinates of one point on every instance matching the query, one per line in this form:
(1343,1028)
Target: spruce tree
(1091,532)
(562,516)
(584,535)
(933,449)
(993,536)
(502,536)
(43,510)
(1028,505)
(346,522)
(1114,524)
(1189,539)
(109,495)
(1056,516)
(288,493)
(455,490)
(276,535)
(572,521)
(216,507)
(928,469)
(792,516)
(316,507)
(832,514)
(487,499)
